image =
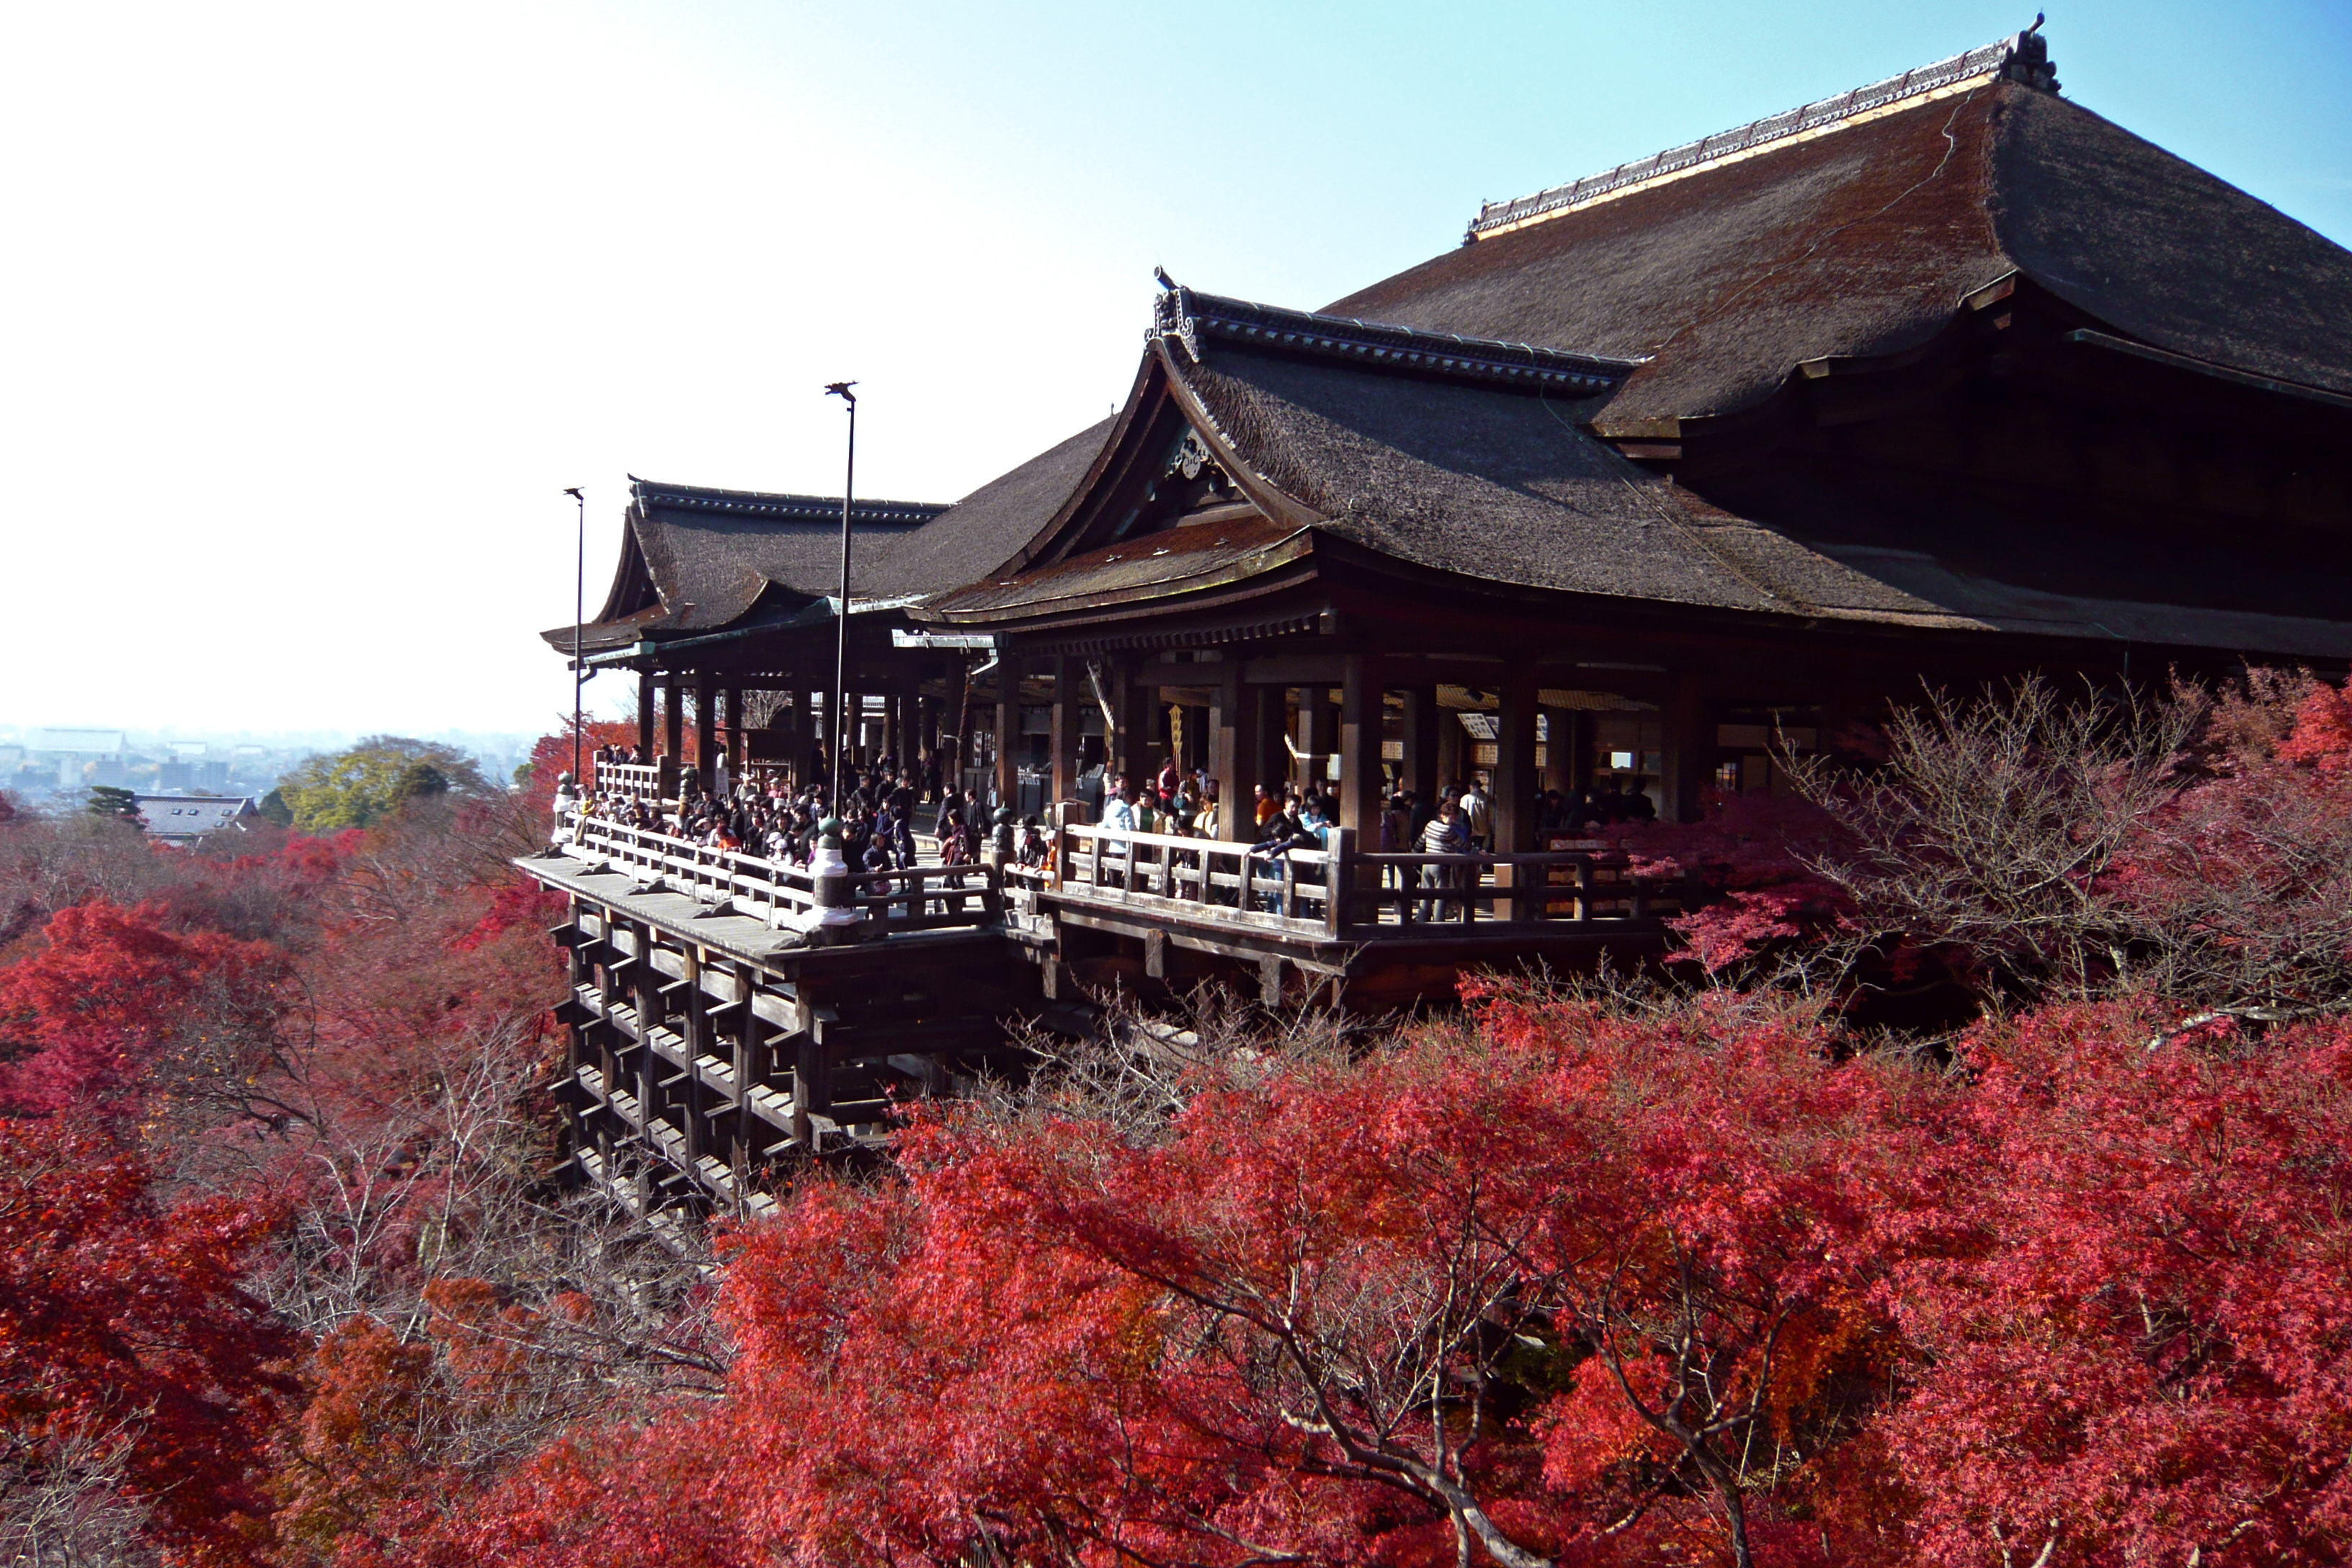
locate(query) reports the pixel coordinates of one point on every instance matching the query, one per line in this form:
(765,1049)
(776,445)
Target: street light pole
(578,615)
(841,639)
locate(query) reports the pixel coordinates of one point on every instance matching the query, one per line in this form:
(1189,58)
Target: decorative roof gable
(1195,319)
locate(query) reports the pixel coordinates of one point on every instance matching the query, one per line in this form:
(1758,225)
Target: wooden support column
(1682,742)
(735,747)
(1360,713)
(1453,758)
(1133,703)
(694,1028)
(1515,780)
(1063,752)
(705,742)
(1317,738)
(646,995)
(1236,719)
(1560,748)
(1008,731)
(750,1071)
(673,716)
(1579,756)
(1421,720)
(646,702)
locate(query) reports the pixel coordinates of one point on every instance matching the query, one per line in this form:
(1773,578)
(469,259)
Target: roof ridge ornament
(779,506)
(2023,58)
(1192,319)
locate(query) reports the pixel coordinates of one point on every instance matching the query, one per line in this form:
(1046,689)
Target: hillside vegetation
(1975,1186)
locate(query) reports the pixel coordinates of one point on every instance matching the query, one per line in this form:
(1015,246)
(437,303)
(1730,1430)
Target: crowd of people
(764,813)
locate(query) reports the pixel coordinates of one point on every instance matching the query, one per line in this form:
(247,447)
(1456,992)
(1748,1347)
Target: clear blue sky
(313,310)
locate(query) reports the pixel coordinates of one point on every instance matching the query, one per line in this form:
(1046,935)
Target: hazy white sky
(308,313)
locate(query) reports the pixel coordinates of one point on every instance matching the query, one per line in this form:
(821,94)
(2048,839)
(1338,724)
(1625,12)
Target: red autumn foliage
(1586,1283)
(126,1339)
(2137,1339)
(83,1015)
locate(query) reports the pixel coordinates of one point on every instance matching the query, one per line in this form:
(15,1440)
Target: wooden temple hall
(1945,380)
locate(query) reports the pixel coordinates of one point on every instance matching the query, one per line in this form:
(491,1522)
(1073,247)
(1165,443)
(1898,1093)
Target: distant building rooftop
(87,742)
(184,819)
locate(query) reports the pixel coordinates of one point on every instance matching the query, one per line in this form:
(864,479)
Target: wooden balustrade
(654,783)
(1339,893)
(916,898)
(1300,892)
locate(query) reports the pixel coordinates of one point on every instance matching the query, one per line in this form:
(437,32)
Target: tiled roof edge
(780,508)
(1191,318)
(2020,58)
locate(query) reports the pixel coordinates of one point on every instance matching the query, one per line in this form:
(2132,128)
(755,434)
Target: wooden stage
(722,1025)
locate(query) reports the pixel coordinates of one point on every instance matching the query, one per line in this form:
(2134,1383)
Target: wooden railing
(1435,893)
(654,783)
(1340,894)
(915,898)
(1298,893)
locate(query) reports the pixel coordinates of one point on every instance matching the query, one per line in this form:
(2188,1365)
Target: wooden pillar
(735,747)
(1316,738)
(1421,720)
(694,1028)
(1062,752)
(1451,759)
(1683,743)
(1133,703)
(1360,713)
(1008,731)
(1560,748)
(705,719)
(1515,782)
(673,716)
(1237,717)
(959,719)
(750,1072)
(1584,729)
(646,702)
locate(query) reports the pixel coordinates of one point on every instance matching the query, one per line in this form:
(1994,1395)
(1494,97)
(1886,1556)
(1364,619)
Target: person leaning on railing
(1445,834)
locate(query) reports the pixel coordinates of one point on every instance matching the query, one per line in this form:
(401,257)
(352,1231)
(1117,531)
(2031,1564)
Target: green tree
(121,804)
(374,780)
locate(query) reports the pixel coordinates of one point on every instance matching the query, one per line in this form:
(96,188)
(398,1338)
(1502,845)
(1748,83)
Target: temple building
(1657,476)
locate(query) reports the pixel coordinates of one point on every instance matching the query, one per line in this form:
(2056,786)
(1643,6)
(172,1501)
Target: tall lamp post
(578,615)
(841,639)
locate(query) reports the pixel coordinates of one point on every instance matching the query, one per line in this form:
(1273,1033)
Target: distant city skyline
(318,310)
